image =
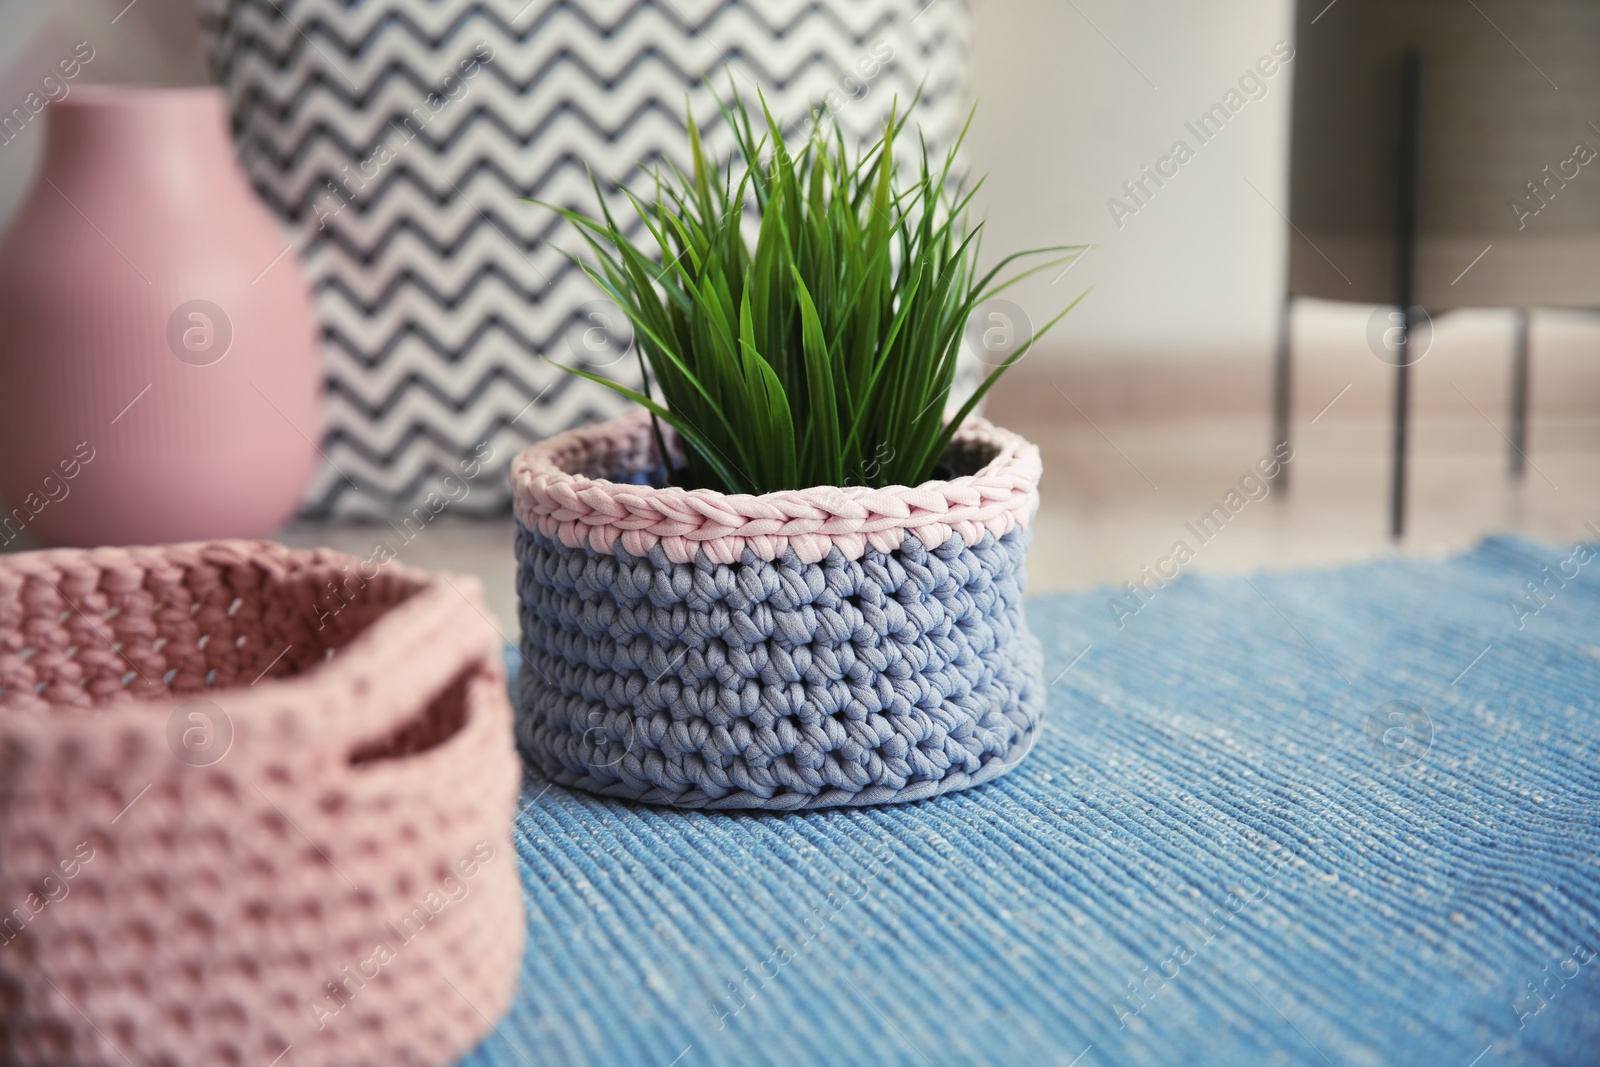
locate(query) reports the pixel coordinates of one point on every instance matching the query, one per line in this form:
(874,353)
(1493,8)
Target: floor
(1138,448)
(1118,492)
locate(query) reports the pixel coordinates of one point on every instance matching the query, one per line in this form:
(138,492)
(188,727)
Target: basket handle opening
(445,716)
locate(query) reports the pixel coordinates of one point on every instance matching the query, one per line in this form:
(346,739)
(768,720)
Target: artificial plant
(801,321)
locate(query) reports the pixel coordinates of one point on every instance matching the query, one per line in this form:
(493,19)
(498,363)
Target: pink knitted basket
(251,800)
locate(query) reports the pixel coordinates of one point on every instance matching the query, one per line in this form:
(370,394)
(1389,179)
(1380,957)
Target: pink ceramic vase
(157,341)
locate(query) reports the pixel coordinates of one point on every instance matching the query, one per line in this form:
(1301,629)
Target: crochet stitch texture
(175,890)
(757,673)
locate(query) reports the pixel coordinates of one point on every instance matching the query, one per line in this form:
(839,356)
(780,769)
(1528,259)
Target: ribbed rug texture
(1339,817)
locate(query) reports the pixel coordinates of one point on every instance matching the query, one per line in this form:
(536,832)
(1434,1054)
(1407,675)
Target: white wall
(1065,117)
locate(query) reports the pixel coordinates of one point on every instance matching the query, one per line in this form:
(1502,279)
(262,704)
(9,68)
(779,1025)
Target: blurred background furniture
(1439,159)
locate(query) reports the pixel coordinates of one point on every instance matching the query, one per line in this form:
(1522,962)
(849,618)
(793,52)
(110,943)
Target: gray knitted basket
(804,649)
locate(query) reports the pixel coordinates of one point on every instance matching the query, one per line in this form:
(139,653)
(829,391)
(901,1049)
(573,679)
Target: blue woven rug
(1332,818)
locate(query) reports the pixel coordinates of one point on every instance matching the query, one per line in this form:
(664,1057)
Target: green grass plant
(825,353)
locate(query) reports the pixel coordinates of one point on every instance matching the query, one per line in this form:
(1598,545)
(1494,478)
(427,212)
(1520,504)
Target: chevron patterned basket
(251,800)
(803,649)
(394,138)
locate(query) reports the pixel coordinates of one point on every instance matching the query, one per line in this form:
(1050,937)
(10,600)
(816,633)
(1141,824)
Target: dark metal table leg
(1402,420)
(1408,163)
(1519,397)
(1281,379)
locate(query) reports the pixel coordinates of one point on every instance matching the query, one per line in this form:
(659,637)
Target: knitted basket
(801,649)
(251,800)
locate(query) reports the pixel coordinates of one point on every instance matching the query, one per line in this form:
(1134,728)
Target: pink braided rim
(561,490)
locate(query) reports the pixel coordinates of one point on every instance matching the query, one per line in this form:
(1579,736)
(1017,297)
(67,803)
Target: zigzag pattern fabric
(776,684)
(394,137)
